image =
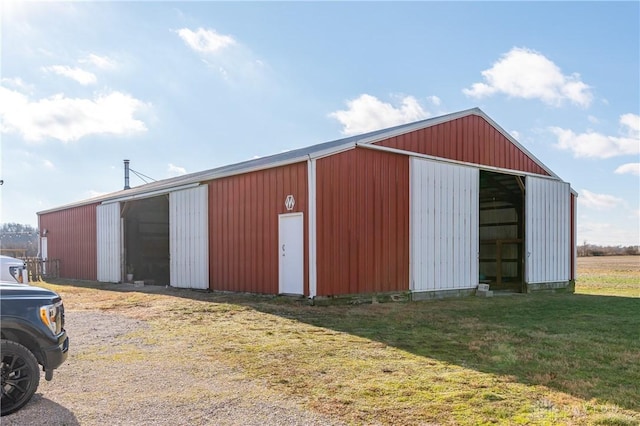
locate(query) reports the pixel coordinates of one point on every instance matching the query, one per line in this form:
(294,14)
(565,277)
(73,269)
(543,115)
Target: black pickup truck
(33,334)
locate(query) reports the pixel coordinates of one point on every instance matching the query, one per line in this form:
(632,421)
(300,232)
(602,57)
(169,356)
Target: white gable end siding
(443,226)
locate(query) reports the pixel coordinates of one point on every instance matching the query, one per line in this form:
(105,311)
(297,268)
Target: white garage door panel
(443,226)
(108,241)
(548,230)
(189,238)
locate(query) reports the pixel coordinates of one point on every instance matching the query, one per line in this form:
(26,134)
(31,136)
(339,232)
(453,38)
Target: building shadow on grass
(586,346)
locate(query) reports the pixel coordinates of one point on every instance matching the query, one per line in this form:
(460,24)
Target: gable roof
(289,157)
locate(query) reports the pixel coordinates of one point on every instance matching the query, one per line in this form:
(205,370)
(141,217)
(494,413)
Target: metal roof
(288,157)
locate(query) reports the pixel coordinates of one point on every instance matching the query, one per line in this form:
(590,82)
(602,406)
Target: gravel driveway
(87,390)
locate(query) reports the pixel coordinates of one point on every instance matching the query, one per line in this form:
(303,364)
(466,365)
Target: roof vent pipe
(126,174)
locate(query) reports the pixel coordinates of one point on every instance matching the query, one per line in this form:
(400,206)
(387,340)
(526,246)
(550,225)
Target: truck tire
(20,376)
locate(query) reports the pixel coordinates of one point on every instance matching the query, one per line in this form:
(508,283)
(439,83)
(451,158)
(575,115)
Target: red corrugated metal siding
(72,239)
(362,222)
(470,139)
(243,224)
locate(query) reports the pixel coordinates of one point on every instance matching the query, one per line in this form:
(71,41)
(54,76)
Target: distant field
(609,275)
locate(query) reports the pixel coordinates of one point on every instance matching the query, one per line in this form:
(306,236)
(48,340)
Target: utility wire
(140,175)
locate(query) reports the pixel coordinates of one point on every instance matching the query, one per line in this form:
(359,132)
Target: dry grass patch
(609,275)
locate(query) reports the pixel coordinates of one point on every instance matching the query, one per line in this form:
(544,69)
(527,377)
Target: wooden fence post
(36,268)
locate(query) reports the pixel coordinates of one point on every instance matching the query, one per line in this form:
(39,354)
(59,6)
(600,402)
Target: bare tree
(17,238)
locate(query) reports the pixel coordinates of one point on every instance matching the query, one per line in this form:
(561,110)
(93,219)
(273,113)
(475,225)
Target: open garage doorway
(501,231)
(146,239)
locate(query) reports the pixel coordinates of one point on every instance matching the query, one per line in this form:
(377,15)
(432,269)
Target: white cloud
(631,125)
(234,62)
(102,62)
(205,41)
(81,76)
(598,201)
(434,100)
(592,144)
(607,234)
(69,119)
(630,168)
(597,145)
(176,170)
(47,164)
(367,113)
(17,83)
(527,74)
(223,73)
(515,134)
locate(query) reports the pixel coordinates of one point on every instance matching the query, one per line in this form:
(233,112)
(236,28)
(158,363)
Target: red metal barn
(432,208)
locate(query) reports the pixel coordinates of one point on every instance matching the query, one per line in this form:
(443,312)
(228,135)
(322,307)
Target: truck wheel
(20,376)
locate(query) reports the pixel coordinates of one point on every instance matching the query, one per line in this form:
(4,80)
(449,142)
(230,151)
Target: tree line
(586,250)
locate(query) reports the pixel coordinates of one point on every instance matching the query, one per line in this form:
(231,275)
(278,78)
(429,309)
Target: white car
(13,270)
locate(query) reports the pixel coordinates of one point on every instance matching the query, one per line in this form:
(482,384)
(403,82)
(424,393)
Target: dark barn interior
(502,231)
(146,237)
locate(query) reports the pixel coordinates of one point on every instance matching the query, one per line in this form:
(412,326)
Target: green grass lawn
(542,359)
(533,359)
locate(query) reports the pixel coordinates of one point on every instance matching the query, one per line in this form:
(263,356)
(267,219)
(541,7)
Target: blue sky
(188,86)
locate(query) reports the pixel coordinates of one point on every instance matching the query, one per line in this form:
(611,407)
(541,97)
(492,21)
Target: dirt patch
(112,375)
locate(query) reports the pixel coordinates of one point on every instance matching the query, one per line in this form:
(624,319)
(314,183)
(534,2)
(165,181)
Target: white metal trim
(312,218)
(150,194)
(123,249)
(574,249)
(332,151)
(412,248)
(244,170)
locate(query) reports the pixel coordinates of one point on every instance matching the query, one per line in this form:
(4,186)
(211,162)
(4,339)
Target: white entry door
(291,253)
